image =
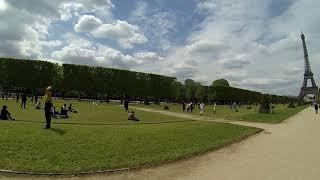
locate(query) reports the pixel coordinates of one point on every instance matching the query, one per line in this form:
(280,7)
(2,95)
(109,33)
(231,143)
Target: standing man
(126,104)
(316,107)
(183,106)
(201,108)
(47,106)
(23,100)
(214,107)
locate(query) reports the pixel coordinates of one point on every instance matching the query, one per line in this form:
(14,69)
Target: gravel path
(284,151)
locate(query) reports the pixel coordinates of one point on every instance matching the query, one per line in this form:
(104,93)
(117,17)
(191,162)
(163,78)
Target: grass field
(282,112)
(101,138)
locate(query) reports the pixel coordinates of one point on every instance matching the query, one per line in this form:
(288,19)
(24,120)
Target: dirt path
(289,150)
(210,119)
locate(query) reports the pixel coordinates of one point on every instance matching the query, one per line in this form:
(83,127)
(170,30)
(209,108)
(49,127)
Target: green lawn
(221,111)
(282,112)
(102,138)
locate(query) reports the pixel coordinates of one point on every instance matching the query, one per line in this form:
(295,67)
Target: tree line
(71,80)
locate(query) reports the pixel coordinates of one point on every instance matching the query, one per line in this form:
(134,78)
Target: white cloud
(121,31)
(155,23)
(237,62)
(67,10)
(243,42)
(147,57)
(115,58)
(3,5)
(81,51)
(206,6)
(74,54)
(87,23)
(50,44)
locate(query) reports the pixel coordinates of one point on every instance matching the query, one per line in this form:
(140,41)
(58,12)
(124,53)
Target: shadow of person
(58,131)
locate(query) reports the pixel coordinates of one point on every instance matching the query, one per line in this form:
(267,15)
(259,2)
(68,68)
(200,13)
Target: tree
(201,93)
(265,104)
(220,82)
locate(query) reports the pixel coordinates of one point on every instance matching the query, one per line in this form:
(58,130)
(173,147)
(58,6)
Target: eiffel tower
(308,75)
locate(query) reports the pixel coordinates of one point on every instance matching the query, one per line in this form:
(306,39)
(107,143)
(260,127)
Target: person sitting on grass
(5,115)
(64,111)
(55,114)
(70,108)
(38,105)
(132,117)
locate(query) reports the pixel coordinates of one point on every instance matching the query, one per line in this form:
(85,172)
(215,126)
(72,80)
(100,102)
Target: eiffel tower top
(307,65)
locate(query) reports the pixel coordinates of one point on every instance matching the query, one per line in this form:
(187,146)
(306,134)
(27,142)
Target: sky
(253,44)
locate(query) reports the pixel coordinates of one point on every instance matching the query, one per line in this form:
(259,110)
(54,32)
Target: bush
(301,103)
(265,105)
(166,107)
(291,105)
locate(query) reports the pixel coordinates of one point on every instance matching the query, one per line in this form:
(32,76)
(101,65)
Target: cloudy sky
(254,44)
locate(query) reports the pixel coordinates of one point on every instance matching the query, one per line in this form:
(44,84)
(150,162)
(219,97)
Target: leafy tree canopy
(220,82)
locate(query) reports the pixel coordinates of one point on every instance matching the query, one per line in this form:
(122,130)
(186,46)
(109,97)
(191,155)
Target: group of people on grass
(189,107)
(234,106)
(63,111)
(48,108)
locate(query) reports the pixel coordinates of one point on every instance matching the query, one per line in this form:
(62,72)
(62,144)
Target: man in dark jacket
(23,100)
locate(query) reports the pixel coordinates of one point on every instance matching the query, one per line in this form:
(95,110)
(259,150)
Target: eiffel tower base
(309,90)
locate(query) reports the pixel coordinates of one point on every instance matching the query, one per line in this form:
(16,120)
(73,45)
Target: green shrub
(265,105)
(291,105)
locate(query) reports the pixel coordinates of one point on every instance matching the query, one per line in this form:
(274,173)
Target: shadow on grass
(58,131)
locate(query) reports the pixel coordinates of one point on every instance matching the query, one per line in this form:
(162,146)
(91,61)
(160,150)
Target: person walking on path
(47,106)
(316,107)
(23,100)
(183,107)
(214,107)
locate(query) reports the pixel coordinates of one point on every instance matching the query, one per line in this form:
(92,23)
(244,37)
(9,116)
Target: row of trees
(221,92)
(72,80)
